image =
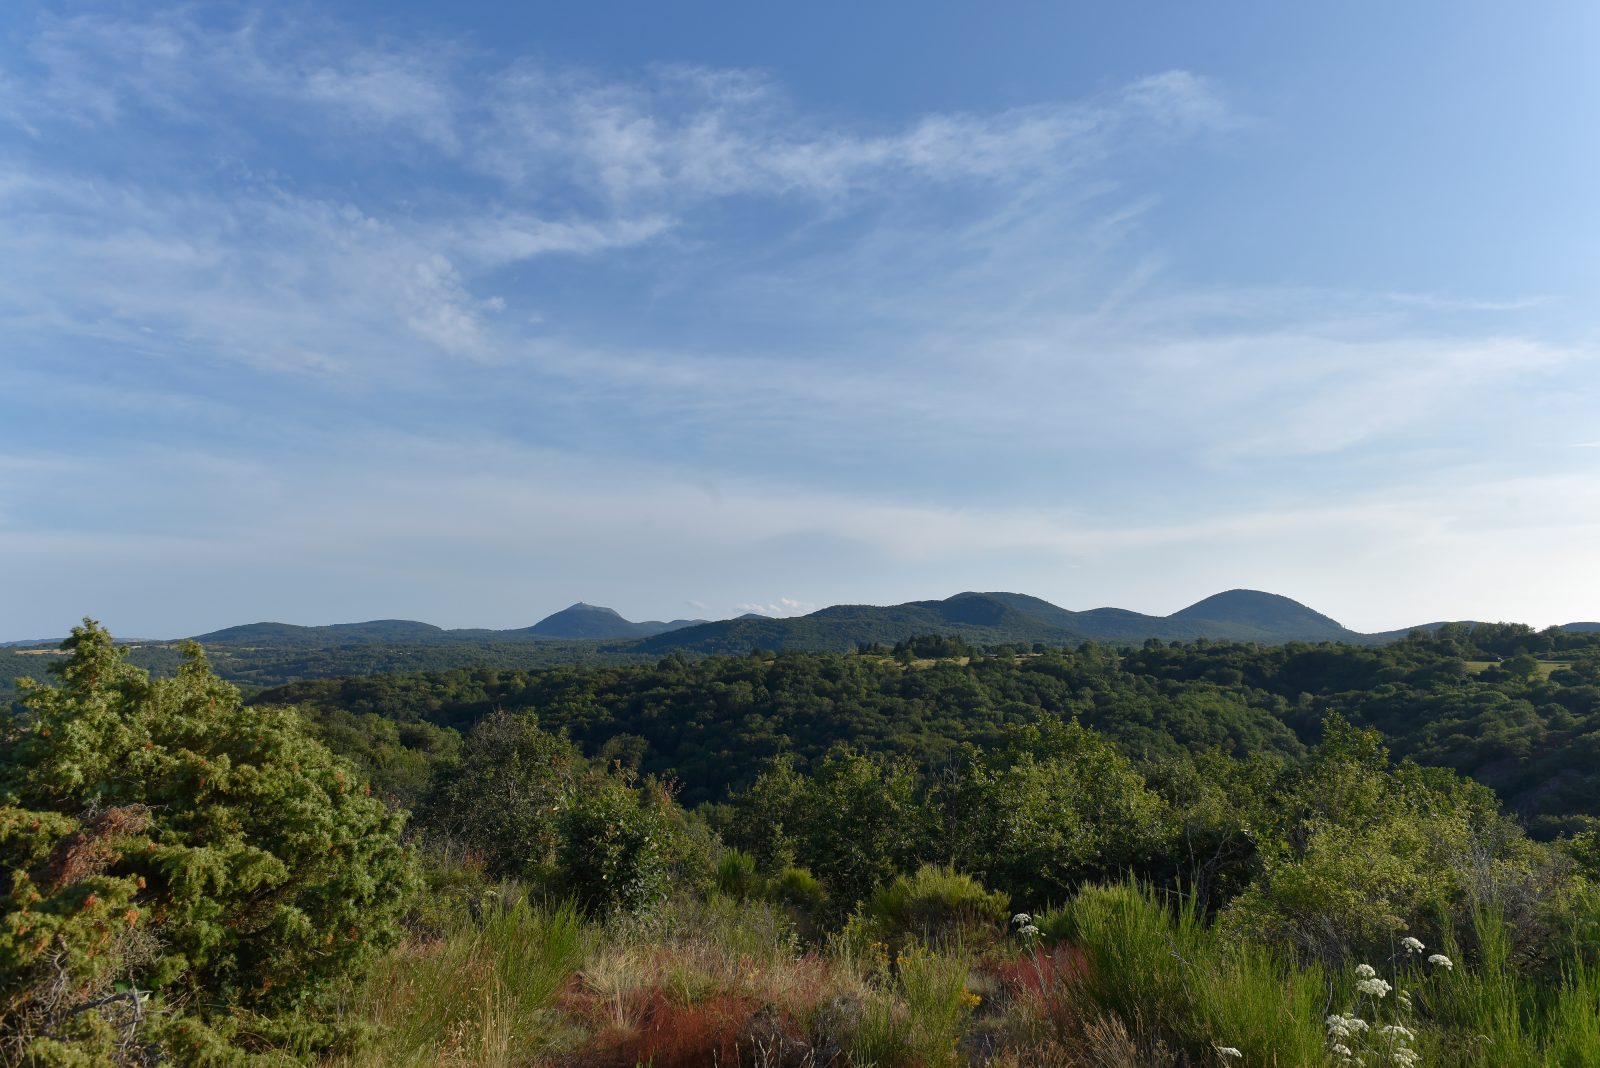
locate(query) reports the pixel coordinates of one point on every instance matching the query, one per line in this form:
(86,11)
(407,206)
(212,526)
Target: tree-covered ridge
(253,665)
(272,654)
(1524,726)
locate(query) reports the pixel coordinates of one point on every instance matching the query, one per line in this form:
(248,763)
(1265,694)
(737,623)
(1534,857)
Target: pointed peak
(584,606)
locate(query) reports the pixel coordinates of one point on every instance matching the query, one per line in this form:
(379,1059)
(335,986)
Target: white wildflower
(1404,1057)
(1341,1049)
(1365,971)
(1411,944)
(1376,987)
(1029,931)
(1228,1051)
(1021,919)
(1398,1031)
(1442,961)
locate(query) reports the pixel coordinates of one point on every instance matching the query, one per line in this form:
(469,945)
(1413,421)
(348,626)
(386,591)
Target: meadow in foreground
(1117,977)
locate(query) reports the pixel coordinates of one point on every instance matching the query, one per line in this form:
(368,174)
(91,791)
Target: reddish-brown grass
(675,1035)
(737,1010)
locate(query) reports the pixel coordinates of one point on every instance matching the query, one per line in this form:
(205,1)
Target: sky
(322,313)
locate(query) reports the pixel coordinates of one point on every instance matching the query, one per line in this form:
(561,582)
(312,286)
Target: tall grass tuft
(917,1017)
(1490,1015)
(1574,1024)
(482,995)
(1172,979)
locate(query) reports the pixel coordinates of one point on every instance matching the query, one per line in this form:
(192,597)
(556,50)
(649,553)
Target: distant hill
(592,621)
(978,617)
(983,618)
(372,632)
(581,621)
(1274,617)
(1238,615)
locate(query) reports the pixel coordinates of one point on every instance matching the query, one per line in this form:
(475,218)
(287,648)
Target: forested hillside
(1526,727)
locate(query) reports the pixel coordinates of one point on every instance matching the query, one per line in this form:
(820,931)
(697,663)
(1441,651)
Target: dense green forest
(1480,701)
(917,856)
(252,666)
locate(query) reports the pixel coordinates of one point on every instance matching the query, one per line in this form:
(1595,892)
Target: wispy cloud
(234,257)
(1447,303)
(692,133)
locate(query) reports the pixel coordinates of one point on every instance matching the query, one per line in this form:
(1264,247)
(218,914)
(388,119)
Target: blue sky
(345,311)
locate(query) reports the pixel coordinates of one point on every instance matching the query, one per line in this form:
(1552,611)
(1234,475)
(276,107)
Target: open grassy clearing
(1478,667)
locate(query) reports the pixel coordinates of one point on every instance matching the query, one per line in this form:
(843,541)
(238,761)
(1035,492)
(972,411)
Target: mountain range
(588,630)
(1236,615)
(270,654)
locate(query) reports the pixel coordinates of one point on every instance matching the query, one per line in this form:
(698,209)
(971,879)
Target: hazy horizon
(465,315)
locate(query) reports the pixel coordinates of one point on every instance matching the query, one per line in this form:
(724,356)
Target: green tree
(1359,852)
(505,798)
(1057,807)
(856,822)
(159,841)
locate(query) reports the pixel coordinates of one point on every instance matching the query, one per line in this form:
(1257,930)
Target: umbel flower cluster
(1023,923)
(1355,1042)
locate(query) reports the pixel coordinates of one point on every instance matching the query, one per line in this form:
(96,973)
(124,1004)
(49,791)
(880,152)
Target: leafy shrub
(801,891)
(526,805)
(503,799)
(615,851)
(160,843)
(737,876)
(1056,807)
(1361,849)
(937,905)
(855,822)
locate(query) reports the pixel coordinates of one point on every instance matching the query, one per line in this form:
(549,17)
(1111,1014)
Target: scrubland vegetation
(1078,873)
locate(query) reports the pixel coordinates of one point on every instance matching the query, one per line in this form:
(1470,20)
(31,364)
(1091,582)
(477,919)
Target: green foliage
(711,723)
(616,848)
(480,994)
(505,798)
(157,838)
(856,822)
(1164,972)
(396,756)
(524,804)
(1359,851)
(938,906)
(917,1017)
(1057,807)
(737,875)
(1487,1013)
(799,889)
